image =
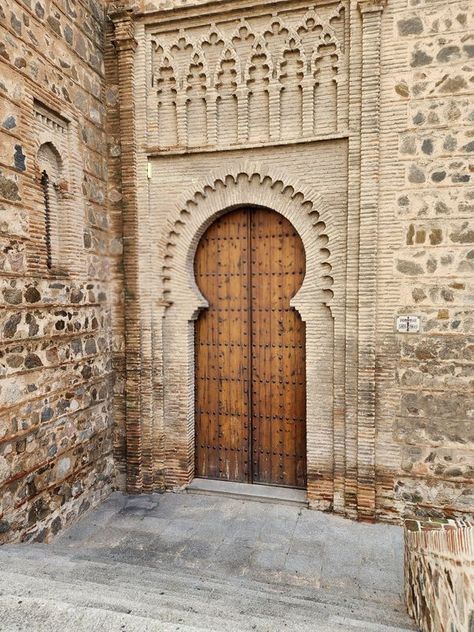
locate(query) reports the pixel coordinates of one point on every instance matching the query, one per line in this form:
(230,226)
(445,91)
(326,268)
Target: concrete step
(86,590)
(43,615)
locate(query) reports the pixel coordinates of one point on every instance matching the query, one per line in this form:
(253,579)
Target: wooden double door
(250,380)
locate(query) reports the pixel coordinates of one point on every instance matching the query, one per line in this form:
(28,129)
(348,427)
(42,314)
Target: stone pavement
(196,562)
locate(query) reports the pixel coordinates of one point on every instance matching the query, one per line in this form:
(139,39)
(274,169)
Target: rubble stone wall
(425,398)
(439,575)
(56,256)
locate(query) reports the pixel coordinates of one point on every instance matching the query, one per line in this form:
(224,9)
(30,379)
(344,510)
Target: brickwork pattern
(307,212)
(401,443)
(361,108)
(171,162)
(55,340)
(439,575)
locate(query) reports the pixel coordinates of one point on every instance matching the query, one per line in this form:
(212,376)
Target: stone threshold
(245,491)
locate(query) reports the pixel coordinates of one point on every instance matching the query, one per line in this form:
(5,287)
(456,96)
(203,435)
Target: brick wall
(407,445)
(439,575)
(55,307)
(115,204)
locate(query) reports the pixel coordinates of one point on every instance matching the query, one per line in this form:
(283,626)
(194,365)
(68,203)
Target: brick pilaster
(125,45)
(371,15)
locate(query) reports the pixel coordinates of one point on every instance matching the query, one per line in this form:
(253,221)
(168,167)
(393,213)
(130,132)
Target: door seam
(250,475)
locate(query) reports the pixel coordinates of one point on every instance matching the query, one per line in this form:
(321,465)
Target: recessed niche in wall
(58,175)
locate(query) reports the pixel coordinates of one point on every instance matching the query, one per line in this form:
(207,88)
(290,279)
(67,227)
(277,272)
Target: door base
(245,491)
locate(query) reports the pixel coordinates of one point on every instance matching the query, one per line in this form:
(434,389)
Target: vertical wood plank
(221,349)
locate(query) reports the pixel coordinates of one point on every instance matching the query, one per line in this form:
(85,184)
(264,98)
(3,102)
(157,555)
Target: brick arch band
(182,301)
(247,187)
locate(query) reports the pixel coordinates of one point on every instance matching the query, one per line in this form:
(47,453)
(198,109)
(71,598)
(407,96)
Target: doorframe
(315,302)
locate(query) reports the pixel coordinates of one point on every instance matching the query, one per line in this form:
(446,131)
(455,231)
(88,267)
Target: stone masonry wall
(425,403)
(56,253)
(439,575)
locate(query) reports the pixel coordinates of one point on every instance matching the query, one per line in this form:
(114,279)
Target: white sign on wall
(408,324)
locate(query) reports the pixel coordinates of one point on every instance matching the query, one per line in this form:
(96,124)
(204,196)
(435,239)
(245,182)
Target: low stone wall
(439,575)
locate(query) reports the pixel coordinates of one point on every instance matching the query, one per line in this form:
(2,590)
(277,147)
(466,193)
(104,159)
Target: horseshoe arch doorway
(250,368)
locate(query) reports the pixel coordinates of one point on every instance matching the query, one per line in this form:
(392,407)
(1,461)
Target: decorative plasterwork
(254,79)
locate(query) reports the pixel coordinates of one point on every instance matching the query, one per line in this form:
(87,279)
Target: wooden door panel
(250,364)
(222,343)
(278,381)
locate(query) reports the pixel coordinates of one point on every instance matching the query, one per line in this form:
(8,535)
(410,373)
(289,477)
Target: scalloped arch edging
(247,184)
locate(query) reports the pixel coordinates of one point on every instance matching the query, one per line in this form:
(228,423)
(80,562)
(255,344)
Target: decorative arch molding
(253,185)
(49,159)
(50,167)
(59,175)
(249,185)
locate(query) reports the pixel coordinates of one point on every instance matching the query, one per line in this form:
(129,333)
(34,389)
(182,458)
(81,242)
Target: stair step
(179,596)
(244,491)
(41,615)
(105,572)
(350,624)
(118,600)
(230,603)
(44,615)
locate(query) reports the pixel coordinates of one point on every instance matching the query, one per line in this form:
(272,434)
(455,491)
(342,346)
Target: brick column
(371,15)
(125,45)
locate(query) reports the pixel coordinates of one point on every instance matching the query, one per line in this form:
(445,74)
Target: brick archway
(314,301)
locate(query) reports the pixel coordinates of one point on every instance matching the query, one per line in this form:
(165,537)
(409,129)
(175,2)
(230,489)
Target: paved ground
(195,562)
